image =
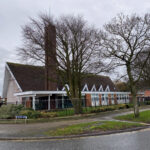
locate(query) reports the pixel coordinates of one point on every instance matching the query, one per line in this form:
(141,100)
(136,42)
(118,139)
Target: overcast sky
(15,13)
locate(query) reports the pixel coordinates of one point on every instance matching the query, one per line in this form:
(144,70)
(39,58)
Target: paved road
(139,140)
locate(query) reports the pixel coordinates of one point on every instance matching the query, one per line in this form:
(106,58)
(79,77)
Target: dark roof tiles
(31,78)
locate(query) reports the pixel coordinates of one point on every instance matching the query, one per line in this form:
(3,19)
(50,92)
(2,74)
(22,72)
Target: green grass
(65,112)
(144,117)
(91,127)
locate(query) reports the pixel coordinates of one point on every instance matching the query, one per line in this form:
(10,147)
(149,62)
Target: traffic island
(92,128)
(97,128)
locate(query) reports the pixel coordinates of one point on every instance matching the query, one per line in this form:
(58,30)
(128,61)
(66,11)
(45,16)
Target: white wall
(12,88)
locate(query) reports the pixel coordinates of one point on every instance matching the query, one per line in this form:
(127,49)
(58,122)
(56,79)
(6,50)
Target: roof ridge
(20,64)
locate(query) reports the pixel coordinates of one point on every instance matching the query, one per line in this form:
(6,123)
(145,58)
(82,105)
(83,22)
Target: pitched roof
(98,80)
(31,78)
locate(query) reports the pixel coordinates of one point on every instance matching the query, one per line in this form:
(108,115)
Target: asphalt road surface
(138,140)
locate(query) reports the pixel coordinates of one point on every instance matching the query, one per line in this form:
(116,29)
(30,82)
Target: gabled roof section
(93,88)
(85,88)
(107,89)
(32,78)
(66,86)
(28,77)
(100,88)
(100,82)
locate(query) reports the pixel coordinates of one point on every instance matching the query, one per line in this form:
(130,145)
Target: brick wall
(115,99)
(147,93)
(109,99)
(88,100)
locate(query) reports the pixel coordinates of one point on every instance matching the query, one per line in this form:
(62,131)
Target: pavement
(36,130)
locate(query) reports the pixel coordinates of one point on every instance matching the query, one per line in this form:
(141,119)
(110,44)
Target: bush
(32,114)
(121,106)
(65,112)
(10,111)
(48,114)
(129,105)
(110,108)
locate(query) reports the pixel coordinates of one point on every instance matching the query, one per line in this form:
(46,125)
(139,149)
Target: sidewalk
(37,129)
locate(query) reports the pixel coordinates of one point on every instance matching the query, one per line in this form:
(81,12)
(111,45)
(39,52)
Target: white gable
(100,88)
(93,88)
(107,89)
(85,88)
(7,77)
(66,86)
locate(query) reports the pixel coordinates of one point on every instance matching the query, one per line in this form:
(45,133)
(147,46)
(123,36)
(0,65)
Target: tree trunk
(77,104)
(135,102)
(133,91)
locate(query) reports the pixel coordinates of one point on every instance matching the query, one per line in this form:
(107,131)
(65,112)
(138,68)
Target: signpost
(21,117)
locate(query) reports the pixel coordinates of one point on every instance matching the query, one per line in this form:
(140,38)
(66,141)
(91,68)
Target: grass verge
(144,117)
(91,127)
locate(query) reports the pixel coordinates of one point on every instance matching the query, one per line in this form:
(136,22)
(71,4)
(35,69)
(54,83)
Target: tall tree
(122,86)
(145,78)
(123,40)
(77,44)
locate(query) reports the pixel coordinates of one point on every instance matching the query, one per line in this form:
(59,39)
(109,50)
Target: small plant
(48,114)
(10,111)
(121,106)
(32,114)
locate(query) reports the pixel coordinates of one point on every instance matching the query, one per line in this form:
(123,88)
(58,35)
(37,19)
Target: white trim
(63,93)
(100,88)
(107,89)
(27,95)
(93,88)
(85,88)
(13,77)
(33,102)
(49,102)
(66,86)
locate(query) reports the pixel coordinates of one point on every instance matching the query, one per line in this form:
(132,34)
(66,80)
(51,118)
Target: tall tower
(50,58)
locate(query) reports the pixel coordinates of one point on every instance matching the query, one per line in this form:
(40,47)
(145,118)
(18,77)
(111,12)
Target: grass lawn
(91,127)
(144,117)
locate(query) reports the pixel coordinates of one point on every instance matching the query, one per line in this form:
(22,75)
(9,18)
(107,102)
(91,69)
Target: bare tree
(123,39)
(144,82)
(77,45)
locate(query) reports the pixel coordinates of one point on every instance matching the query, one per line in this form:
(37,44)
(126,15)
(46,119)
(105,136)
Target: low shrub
(10,111)
(31,114)
(147,102)
(48,114)
(105,108)
(65,112)
(121,106)
(102,109)
(129,105)
(110,108)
